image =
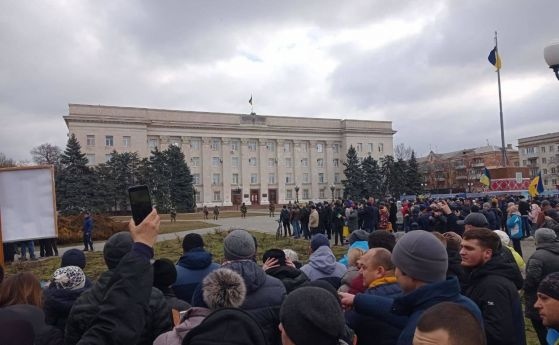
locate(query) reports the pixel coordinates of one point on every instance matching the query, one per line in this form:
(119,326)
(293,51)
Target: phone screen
(140,203)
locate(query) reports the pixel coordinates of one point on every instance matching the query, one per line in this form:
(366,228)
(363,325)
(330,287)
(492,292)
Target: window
(109,140)
(288,178)
(235,162)
(126,141)
(195,144)
(321,194)
(336,162)
(214,145)
(545,171)
(176,141)
(90,159)
(217,195)
(305,146)
(235,145)
(252,161)
(320,162)
(253,178)
(381,147)
(336,148)
(271,146)
(90,140)
(320,177)
(550,148)
(286,147)
(553,170)
(235,179)
(319,147)
(304,162)
(523,162)
(530,150)
(271,178)
(196,179)
(544,160)
(554,181)
(195,161)
(337,178)
(252,145)
(216,179)
(359,147)
(545,181)
(108,157)
(306,194)
(197,195)
(289,194)
(288,162)
(542,149)
(305,177)
(215,161)
(370,147)
(271,162)
(152,143)
(338,193)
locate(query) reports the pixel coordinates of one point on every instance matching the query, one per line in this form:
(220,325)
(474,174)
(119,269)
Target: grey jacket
(545,260)
(323,264)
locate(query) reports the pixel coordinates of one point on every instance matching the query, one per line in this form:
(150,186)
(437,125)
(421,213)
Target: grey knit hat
(116,247)
(545,235)
(422,256)
(69,277)
(239,245)
(358,235)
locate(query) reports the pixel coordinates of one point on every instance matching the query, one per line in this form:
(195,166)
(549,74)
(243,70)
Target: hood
(61,300)
(192,318)
(426,296)
(552,247)
(253,275)
(196,259)
(323,260)
(498,265)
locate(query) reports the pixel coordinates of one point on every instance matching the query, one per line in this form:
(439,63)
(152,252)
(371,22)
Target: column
(297,167)
(185,147)
(164,142)
(245,171)
(280,171)
(226,171)
(328,164)
(313,173)
(206,169)
(263,171)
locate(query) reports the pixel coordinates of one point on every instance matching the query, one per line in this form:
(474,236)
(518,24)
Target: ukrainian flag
(494,58)
(536,186)
(485,178)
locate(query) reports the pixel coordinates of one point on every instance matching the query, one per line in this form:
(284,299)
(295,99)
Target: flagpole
(503,149)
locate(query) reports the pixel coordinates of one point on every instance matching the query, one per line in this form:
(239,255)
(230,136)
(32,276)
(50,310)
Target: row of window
(541,149)
(370,147)
(216,178)
(272,162)
(535,161)
(553,171)
(553,182)
(109,140)
(305,195)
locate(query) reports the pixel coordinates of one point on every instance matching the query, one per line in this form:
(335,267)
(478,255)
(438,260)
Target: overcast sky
(421,64)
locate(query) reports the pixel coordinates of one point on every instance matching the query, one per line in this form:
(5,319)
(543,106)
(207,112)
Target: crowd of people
(415,272)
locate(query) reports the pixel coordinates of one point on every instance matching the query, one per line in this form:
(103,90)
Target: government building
(235,158)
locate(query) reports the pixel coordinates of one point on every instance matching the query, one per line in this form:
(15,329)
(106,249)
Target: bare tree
(6,162)
(401,151)
(46,154)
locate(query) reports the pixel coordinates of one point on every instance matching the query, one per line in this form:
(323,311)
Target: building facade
(540,153)
(236,158)
(460,171)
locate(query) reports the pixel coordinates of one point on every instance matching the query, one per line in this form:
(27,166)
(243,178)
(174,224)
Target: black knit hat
(550,285)
(73,257)
(275,253)
(227,326)
(382,239)
(192,241)
(164,273)
(321,321)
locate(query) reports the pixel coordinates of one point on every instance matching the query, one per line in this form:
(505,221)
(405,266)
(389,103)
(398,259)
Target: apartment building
(540,153)
(234,158)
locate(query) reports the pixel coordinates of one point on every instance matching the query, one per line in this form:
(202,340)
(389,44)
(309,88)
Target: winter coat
(370,218)
(551,224)
(44,334)
(264,297)
(352,221)
(58,303)
(313,219)
(455,266)
(322,264)
(494,224)
(87,306)
(404,311)
(494,287)
(291,277)
(514,226)
(375,331)
(347,280)
(172,301)
(192,268)
(544,261)
(88,225)
(193,317)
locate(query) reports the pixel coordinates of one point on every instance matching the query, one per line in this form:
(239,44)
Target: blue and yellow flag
(485,178)
(536,186)
(494,58)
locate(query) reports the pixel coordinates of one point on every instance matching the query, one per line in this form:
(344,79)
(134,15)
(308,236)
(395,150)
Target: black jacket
(455,267)
(44,334)
(545,260)
(58,303)
(291,278)
(494,288)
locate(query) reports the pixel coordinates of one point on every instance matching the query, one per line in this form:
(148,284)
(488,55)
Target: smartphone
(140,203)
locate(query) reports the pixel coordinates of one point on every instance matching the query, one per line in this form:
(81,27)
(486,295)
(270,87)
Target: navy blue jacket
(406,310)
(192,268)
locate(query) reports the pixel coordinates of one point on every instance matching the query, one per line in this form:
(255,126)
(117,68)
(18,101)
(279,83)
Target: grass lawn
(168,227)
(200,216)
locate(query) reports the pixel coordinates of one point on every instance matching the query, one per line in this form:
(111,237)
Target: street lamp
(551,56)
(332,188)
(470,184)
(297,193)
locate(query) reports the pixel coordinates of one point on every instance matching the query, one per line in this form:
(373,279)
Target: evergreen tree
(75,181)
(180,180)
(399,178)
(353,184)
(122,169)
(159,176)
(388,176)
(413,177)
(372,178)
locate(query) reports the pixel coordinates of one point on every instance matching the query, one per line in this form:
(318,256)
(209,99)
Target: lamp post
(332,188)
(297,193)
(551,56)
(470,184)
